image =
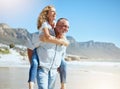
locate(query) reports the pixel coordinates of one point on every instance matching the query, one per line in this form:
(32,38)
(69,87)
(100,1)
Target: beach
(80,75)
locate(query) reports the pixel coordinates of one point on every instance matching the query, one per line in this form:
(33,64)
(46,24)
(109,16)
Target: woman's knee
(63,64)
(35,63)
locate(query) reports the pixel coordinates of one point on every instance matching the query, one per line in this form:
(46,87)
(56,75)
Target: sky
(97,20)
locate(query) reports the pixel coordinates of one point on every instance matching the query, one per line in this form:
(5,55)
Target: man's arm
(29,52)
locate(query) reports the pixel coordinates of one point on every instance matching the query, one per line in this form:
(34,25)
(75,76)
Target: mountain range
(90,50)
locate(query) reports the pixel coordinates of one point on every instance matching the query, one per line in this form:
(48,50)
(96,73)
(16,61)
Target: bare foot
(63,86)
(31,85)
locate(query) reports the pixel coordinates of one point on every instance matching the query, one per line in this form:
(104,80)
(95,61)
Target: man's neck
(58,35)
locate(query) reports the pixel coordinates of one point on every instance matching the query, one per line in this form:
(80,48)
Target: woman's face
(52,14)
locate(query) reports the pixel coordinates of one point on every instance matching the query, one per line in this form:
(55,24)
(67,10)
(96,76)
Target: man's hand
(58,69)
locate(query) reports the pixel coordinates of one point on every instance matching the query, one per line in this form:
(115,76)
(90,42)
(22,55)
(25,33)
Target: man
(62,27)
(50,56)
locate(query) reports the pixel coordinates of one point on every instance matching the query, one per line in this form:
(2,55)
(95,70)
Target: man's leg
(52,78)
(42,78)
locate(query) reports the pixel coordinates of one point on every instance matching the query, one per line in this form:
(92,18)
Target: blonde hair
(43,16)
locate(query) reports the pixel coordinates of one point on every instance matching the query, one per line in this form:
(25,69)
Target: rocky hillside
(81,50)
(94,50)
(10,35)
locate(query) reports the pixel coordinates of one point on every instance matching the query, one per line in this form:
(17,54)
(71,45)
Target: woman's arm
(57,41)
(46,37)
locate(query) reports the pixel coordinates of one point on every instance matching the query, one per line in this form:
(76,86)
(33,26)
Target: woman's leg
(33,69)
(63,74)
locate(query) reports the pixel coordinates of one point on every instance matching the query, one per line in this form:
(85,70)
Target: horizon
(97,20)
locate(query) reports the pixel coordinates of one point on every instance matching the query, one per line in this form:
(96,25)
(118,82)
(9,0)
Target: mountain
(94,50)
(10,35)
(89,50)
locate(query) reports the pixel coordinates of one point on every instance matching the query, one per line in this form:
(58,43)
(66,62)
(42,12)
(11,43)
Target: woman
(46,24)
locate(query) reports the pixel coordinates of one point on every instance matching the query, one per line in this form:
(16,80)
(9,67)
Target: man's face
(62,26)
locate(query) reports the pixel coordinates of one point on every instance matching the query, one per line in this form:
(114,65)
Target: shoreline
(83,63)
(79,76)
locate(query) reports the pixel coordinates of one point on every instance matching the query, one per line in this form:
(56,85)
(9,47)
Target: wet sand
(79,77)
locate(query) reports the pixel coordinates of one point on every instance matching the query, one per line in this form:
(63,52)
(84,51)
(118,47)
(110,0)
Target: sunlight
(13,7)
(10,4)
(107,82)
(105,86)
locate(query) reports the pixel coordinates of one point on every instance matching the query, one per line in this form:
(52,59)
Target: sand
(83,75)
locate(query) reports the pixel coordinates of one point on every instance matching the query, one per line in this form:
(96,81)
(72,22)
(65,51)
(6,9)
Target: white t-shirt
(34,41)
